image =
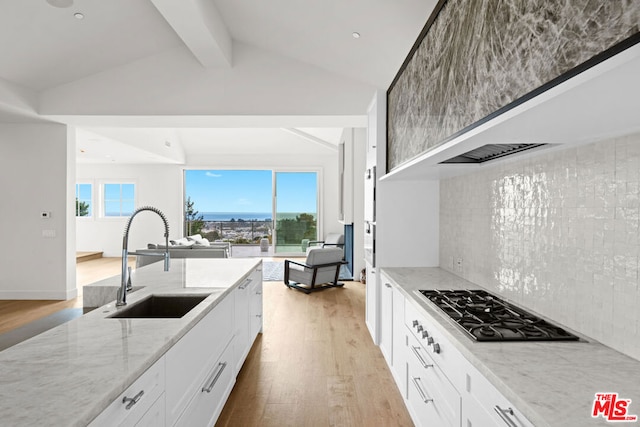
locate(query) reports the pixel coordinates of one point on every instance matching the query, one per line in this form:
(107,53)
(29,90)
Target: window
(84,205)
(119,200)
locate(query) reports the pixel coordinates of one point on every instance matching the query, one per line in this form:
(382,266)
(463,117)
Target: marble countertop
(69,374)
(552,383)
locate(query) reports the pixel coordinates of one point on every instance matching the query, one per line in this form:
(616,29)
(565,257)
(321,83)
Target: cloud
(244,201)
(213,175)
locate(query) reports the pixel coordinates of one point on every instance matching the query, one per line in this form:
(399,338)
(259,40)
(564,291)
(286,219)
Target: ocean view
(246,216)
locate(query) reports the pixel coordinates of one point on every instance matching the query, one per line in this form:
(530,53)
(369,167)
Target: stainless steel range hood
(490,152)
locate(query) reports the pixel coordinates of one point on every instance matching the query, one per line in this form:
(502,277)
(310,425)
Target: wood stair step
(87,256)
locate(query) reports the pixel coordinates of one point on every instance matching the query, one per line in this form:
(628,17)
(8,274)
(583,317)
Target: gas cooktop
(486,317)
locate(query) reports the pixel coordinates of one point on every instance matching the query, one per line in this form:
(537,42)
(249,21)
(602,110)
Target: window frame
(103,201)
(92,204)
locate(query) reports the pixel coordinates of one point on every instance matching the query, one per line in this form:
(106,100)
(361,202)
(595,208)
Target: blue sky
(250,191)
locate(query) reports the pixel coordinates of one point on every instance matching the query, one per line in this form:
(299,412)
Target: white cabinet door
(189,361)
(484,405)
(398,342)
(132,405)
(255,310)
(212,393)
(386,319)
(372,303)
(241,342)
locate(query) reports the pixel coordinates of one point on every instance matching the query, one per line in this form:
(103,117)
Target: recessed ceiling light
(356,35)
(78,15)
(60,3)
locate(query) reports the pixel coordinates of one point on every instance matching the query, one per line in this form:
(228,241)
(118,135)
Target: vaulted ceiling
(206,64)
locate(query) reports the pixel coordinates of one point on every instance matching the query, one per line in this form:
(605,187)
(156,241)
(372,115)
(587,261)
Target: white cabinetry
(255,309)
(191,361)
(439,385)
(486,406)
(386,319)
(372,303)
(212,393)
(248,316)
(139,404)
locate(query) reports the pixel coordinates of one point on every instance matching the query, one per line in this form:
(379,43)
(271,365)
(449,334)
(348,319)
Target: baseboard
(39,295)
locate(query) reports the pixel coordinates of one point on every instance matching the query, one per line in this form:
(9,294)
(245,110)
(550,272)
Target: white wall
(162,187)
(159,186)
(35,177)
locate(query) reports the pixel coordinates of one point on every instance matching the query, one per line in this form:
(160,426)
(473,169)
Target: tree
(294,230)
(82,208)
(193,223)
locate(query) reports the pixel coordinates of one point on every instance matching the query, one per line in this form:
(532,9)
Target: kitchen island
(68,375)
(552,383)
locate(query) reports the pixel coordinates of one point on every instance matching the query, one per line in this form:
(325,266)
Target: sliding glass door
(296,210)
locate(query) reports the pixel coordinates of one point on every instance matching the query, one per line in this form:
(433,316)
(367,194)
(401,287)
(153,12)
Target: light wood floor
(314,365)
(16,313)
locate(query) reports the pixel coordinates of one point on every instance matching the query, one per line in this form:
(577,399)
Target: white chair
(332,240)
(320,270)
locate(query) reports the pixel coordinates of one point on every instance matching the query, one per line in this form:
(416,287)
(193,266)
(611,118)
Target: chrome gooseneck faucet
(125,282)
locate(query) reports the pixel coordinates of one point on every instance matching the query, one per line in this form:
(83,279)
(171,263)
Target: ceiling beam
(201,27)
(311,138)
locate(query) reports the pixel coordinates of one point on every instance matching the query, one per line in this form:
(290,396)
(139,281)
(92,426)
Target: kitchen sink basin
(160,307)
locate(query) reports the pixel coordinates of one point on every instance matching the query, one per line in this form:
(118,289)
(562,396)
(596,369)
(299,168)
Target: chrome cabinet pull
(130,401)
(422,361)
(421,392)
(504,415)
(246,283)
(216,375)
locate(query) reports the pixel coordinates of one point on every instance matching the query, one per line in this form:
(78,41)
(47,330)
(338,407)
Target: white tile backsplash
(557,233)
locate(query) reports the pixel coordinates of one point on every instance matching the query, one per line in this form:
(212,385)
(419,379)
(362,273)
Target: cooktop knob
(415,323)
(420,328)
(425,334)
(436,348)
(429,340)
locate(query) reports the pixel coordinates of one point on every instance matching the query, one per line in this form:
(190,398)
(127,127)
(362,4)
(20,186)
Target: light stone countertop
(552,383)
(70,374)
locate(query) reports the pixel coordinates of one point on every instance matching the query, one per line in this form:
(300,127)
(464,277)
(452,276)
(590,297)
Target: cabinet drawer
(434,400)
(144,391)
(443,353)
(484,405)
(256,308)
(212,394)
(155,416)
(189,360)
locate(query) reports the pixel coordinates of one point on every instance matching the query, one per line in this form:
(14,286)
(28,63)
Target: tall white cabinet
(406,218)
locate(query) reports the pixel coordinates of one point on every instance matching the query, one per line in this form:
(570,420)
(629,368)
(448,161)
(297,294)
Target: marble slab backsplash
(557,233)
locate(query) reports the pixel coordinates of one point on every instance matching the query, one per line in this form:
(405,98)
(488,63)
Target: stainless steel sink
(160,307)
